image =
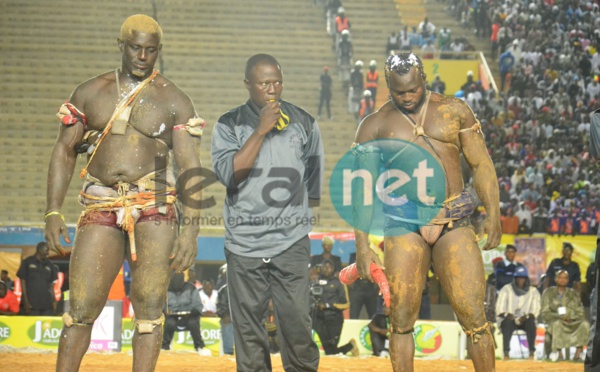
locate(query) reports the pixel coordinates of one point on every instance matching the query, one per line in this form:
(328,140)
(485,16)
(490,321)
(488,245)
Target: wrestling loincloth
(430,221)
(127,203)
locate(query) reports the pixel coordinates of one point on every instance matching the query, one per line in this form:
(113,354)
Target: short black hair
(40,246)
(568,245)
(510,246)
(259,59)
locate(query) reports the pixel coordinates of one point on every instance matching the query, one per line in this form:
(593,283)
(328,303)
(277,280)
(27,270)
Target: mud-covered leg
(149,281)
(407,260)
(458,264)
(97,256)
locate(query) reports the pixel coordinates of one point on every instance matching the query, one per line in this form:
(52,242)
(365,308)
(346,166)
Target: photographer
(331,299)
(183,312)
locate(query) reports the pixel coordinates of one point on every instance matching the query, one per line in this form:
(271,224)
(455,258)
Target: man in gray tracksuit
(269,155)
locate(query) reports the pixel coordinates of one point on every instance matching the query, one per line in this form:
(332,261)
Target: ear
(159,47)
(120,44)
(247,83)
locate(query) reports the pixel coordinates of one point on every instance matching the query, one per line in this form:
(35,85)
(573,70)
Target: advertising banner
(210,329)
(43,332)
(432,338)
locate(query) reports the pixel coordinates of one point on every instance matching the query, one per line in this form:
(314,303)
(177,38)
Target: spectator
(328,319)
(428,50)
(9,305)
(379,330)
(372,79)
(504,270)
(523,213)
(507,61)
(510,223)
(362,293)
(564,263)
(226,325)
(426,29)
(262,262)
(342,23)
(517,307)
(208,297)
(325,92)
(357,88)
(183,313)
(318,259)
(404,39)
(444,40)
(7,280)
(393,43)
(438,85)
(367,105)
(37,276)
(563,314)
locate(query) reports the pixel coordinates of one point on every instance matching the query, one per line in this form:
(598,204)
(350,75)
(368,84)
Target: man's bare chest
(146,114)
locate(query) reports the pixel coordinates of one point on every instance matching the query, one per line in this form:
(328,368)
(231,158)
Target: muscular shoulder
(452,108)
(90,89)
(170,93)
(369,128)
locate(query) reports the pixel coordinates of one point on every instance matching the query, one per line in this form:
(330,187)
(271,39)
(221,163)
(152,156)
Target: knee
(403,320)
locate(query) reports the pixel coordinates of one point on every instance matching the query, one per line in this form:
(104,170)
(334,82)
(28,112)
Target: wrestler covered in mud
(444,128)
(128,122)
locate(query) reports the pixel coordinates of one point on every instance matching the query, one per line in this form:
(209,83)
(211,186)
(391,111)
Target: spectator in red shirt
(9,305)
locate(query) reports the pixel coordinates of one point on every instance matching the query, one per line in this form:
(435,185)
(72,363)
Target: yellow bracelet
(53,213)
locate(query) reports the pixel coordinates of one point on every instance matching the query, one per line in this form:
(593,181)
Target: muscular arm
(60,172)
(190,179)
(484,175)
(363,214)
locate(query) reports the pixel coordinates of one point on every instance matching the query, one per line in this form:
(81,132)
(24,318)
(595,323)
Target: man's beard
(414,110)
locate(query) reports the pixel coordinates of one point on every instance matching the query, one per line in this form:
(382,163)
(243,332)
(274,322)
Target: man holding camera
(328,318)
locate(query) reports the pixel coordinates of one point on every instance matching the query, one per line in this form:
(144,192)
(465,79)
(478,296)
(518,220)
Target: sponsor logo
(392,178)
(4,332)
(46,332)
(365,338)
(211,335)
(428,338)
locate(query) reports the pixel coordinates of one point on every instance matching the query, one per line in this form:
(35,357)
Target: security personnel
(367,105)
(328,318)
(372,79)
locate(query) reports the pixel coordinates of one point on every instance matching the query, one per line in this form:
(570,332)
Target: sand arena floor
(189,362)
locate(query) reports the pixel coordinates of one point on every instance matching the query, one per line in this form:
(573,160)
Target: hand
(27,307)
(226,319)
(321,306)
(55,227)
(184,252)
(493,229)
(364,258)
(268,117)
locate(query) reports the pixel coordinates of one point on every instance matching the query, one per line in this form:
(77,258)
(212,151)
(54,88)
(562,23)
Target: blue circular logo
(388,187)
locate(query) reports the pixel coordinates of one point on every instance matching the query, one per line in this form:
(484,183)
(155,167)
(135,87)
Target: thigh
(98,254)
(151,272)
(407,260)
(459,266)
(290,284)
(248,287)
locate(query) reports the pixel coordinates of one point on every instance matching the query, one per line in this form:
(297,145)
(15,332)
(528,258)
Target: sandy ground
(184,362)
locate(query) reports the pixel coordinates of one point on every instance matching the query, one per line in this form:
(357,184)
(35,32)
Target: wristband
(53,213)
